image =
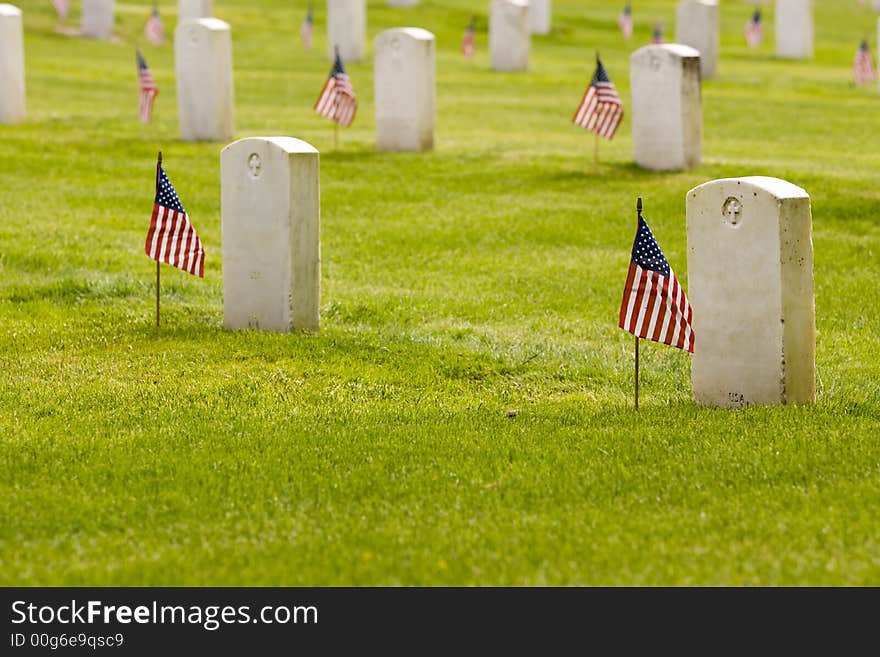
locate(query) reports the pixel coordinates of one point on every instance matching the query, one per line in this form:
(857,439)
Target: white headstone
(402,3)
(509,35)
(347,29)
(187,9)
(540,16)
(12,106)
(97,19)
(270,217)
(404,83)
(876,5)
(697,26)
(203,64)
(750,284)
(794,28)
(666,107)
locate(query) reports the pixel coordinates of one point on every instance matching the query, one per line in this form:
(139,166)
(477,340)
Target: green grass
(457,285)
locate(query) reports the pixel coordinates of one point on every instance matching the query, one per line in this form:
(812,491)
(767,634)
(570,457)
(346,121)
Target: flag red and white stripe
(625,22)
(172,238)
(654,305)
(337,100)
(467,41)
(600,109)
(754,30)
(147,89)
(61,8)
(863,65)
(154,30)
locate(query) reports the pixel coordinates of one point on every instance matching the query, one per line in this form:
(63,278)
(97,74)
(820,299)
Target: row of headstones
(665,87)
(750,269)
(98,15)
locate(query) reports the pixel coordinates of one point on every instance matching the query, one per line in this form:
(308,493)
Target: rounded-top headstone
(666,107)
(12,93)
(750,284)
(697,25)
(203,64)
(404,89)
(347,29)
(794,28)
(97,18)
(509,35)
(189,9)
(540,16)
(270,217)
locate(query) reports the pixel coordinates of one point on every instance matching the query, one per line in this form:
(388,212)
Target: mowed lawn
(465,414)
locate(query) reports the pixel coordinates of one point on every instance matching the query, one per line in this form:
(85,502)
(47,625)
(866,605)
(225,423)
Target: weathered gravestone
(347,29)
(270,216)
(540,16)
(404,85)
(187,9)
(697,26)
(509,35)
(12,105)
(750,283)
(97,19)
(203,64)
(667,110)
(794,28)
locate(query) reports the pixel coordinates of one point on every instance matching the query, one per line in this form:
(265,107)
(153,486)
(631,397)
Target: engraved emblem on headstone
(654,62)
(255,165)
(732,211)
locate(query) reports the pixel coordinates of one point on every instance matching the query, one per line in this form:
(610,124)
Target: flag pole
(596,145)
(158,175)
(636,377)
(335,135)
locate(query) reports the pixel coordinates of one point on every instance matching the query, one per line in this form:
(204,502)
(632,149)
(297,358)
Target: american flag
(754,31)
(305,31)
(61,8)
(148,89)
(467,42)
(600,110)
(654,306)
(153,30)
(863,66)
(657,36)
(337,100)
(625,22)
(171,238)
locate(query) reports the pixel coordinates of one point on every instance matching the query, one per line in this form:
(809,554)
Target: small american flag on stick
(337,100)
(654,305)
(625,22)
(657,34)
(467,41)
(600,110)
(172,238)
(305,31)
(147,89)
(863,65)
(61,8)
(754,30)
(153,30)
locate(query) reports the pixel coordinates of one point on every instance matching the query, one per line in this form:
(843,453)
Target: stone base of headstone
(404,89)
(509,40)
(347,29)
(97,19)
(697,25)
(667,111)
(270,215)
(12,94)
(203,64)
(794,28)
(750,284)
